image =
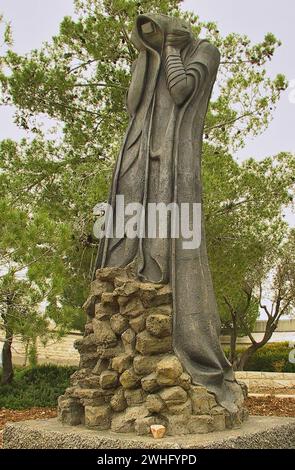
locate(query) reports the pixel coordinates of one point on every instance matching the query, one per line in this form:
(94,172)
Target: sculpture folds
(160,162)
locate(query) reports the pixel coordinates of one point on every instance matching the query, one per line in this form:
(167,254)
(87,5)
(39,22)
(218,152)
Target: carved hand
(177,40)
(180,85)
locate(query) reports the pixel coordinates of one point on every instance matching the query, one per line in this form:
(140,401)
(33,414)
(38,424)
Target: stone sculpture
(151,353)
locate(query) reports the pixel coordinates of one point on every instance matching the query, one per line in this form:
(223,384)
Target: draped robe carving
(160,161)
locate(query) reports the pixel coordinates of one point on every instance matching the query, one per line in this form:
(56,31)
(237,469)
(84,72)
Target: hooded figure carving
(160,162)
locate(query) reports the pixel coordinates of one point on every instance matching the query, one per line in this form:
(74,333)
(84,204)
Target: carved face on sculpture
(152,34)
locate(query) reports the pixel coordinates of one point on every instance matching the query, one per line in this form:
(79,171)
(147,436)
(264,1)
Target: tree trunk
(7,367)
(245,356)
(233,344)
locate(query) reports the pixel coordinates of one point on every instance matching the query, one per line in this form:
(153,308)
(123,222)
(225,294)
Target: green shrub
(272,357)
(36,386)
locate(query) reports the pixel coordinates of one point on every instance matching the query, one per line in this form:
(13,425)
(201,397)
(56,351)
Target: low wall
(59,352)
(62,352)
(274,380)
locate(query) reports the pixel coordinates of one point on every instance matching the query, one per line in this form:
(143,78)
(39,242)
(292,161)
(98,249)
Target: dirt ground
(23,415)
(271,406)
(260,406)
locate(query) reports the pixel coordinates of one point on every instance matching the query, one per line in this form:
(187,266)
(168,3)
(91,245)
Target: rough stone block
(201,424)
(86,344)
(177,425)
(126,287)
(103,332)
(118,323)
(184,381)
(101,365)
(98,417)
(184,409)
(107,352)
(159,325)
(118,401)
(162,310)
(128,340)
(173,395)
(122,362)
(129,379)
(133,308)
(80,374)
(218,415)
(92,381)
(148,344)
(89,305)
(70,411)
(144,365)
(104,312)
(147,293)
(164,296)
(168,370)
(200,400)
(108,379)
(93,401)
(158,431)
(138,324)
(149,383)
(88,328)
(109,299)
(88,360)
(125,422)
(110,273)
(98,287)
(154,403)
(134,397)
(76,392)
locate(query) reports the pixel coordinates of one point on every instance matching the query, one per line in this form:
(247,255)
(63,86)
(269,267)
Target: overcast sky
(34,21)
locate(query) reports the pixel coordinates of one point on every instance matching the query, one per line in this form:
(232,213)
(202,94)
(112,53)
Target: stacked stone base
(129,378)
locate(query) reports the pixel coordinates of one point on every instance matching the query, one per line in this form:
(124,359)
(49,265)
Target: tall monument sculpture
(143,361)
